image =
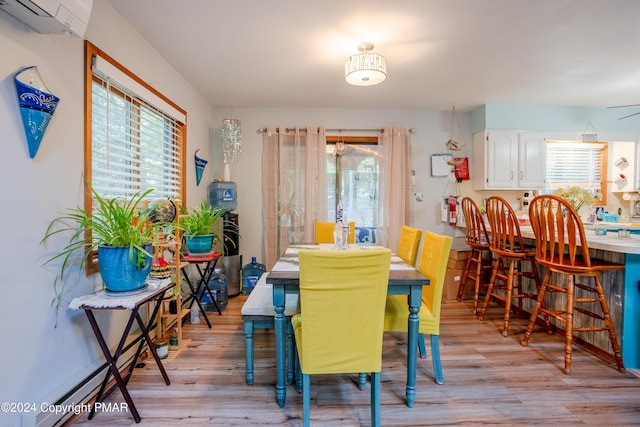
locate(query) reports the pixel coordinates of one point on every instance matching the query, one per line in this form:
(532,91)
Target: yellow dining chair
(339,329)
(324,232)
(408,244)
(433,264)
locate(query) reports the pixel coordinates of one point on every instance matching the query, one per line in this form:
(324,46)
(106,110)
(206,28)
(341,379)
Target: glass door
(353,173)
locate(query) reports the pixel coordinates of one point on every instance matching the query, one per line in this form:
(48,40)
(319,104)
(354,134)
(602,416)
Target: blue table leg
(415,301)
(280,325)
(248,343)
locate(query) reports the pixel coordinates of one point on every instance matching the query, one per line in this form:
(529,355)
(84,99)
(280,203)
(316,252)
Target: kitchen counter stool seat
(478,264)
(562,248)
(508,246)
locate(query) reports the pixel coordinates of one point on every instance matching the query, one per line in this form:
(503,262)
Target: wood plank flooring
(489,380)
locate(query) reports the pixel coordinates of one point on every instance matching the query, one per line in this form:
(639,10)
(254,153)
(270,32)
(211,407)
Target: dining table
(404,279)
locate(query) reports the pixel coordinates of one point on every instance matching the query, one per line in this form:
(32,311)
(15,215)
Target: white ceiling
(291,53)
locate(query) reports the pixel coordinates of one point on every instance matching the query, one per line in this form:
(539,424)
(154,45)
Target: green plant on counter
(578,196)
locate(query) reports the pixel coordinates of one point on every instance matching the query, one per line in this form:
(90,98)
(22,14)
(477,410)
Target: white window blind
(574,164)
(136,143)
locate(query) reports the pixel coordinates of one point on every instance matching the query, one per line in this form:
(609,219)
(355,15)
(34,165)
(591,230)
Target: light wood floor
(489,380)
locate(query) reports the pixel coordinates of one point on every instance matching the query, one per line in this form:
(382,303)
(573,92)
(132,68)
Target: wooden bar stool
(562,248)
(507,245)
(477,239)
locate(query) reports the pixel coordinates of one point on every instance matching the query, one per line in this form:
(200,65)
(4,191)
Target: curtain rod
(263,130)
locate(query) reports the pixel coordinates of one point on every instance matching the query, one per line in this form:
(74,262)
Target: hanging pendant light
(366,68)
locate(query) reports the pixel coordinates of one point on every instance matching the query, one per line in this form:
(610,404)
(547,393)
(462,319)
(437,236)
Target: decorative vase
(118,273)
(37,106)
(200,245)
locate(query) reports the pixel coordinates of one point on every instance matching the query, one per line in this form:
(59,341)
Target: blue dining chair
(339,329)
(433,264)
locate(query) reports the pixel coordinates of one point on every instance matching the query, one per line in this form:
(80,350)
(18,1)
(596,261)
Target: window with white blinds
(134,146)
(137,135)
(575,164)
(135,139)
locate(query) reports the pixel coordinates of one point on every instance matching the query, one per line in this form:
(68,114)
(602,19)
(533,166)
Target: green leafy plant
(114,222)
(200,220)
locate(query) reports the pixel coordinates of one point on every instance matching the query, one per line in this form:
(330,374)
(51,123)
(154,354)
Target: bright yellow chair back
(408,244)
(433,264)
(324,232)
(342,299)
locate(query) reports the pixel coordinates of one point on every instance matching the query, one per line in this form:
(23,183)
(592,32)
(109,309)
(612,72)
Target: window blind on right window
(575,164)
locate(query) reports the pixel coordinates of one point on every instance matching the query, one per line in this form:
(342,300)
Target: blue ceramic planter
(200,245)
(120,275)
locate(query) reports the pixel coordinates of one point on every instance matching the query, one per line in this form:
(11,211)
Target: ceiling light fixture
(365,68)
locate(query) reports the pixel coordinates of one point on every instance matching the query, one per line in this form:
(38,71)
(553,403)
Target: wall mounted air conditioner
(68,17)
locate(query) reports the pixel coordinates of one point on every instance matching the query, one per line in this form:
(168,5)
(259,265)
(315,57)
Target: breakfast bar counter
(622,288)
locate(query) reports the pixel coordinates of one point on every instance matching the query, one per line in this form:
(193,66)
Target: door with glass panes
(353,174)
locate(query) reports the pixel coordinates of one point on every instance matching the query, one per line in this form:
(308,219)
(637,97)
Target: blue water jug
(223,194)
(251,274)
(219,289)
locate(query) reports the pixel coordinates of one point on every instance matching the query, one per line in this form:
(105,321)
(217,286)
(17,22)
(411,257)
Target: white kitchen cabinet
(508,160)
(623,167)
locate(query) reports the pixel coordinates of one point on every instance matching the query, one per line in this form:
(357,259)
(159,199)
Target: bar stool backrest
(476,236)
(506,238)
(560,236)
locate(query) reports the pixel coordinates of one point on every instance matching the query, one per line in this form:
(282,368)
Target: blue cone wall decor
(37,105)
(200,164)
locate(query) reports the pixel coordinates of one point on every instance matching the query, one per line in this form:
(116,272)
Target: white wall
(431,133)
(39,360)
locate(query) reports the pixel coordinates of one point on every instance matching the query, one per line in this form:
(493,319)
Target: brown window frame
(91,265)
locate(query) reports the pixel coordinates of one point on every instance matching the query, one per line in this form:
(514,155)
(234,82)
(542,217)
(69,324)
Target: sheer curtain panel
(294,187)
(394,198)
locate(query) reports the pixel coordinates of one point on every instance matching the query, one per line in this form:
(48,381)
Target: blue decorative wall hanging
(37,105)
(200,164)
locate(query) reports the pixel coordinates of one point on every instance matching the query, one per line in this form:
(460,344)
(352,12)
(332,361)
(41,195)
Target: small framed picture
(440,167)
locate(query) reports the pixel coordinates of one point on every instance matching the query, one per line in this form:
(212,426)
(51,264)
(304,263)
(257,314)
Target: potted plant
(121,233)
(199,227)
(578,196)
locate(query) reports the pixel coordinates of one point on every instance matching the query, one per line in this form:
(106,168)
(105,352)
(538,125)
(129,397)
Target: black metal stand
(210,262)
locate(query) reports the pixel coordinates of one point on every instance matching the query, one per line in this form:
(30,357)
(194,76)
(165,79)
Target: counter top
(610,242)
(613,225)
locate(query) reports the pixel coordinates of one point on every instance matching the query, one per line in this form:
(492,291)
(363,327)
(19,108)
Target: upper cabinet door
(502,157)
(532,163)
(508,160)
(623,167)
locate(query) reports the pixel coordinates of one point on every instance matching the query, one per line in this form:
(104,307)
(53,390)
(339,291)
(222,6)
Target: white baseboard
(60,409)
